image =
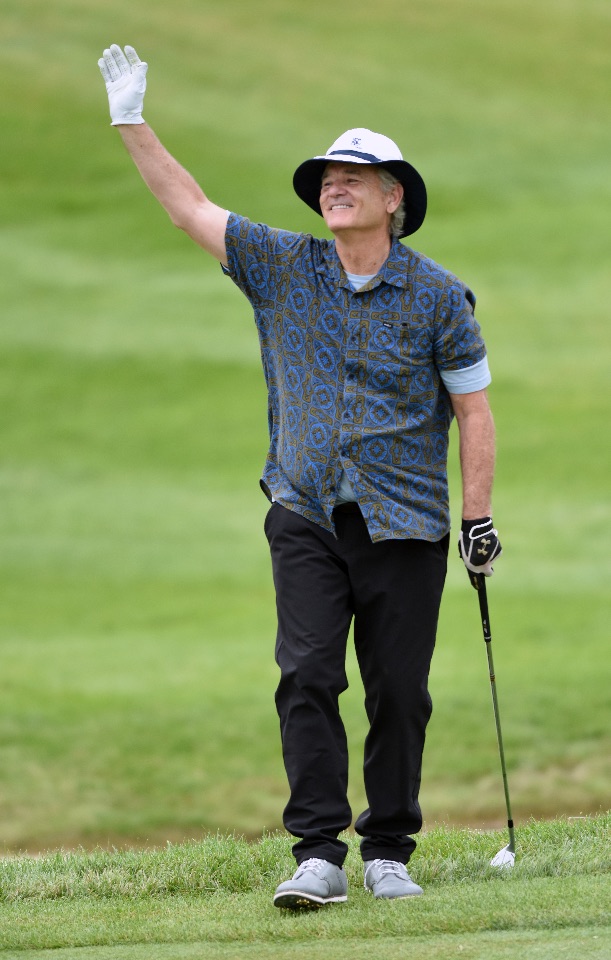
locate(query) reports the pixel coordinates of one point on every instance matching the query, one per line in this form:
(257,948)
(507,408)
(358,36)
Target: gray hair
(396,221)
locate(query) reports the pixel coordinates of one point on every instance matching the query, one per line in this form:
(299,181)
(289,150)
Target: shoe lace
(314,864)
(386,867)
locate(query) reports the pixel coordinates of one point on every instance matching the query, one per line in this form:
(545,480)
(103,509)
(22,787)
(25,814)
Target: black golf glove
(479,545)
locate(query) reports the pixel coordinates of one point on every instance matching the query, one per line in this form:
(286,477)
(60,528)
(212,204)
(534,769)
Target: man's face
(351,197)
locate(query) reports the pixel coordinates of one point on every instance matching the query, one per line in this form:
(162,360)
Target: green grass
(217,894)
(136,613)
(589,943)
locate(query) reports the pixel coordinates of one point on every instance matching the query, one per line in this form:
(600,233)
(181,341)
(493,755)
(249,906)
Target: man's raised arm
(183,199)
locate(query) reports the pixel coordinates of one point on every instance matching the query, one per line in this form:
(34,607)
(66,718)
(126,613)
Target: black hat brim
(308,176)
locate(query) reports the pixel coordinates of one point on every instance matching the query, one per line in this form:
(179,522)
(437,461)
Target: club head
(504,859)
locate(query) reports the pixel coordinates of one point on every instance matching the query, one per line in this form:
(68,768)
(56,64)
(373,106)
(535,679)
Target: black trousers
(393,590)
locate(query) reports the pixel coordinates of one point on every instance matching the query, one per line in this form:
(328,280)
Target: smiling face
(352,198)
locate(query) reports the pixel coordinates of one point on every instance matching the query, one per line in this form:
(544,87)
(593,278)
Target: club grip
(478,580)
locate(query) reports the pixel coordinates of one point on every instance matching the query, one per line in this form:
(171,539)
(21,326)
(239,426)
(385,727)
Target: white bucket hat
(363,146)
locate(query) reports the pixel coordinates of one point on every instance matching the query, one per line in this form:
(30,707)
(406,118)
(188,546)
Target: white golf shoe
(314,883)
(389,880)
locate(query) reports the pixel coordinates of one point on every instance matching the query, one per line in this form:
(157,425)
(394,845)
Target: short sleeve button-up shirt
(353,377)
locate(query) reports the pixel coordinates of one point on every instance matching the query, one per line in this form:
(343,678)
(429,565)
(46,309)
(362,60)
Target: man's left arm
(478,544)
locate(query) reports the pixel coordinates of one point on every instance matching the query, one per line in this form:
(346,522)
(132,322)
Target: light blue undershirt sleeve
(473,378)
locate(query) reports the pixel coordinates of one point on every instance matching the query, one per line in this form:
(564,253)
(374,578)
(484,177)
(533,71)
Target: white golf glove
(479,545)
(125,77)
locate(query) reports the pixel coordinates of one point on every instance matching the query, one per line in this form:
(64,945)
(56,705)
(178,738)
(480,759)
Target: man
(368,351)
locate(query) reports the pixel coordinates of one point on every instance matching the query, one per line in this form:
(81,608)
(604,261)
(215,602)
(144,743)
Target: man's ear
(395,197)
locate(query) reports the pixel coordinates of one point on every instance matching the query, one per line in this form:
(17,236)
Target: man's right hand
(125,77)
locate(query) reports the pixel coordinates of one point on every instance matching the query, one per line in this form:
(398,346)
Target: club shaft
(485,616)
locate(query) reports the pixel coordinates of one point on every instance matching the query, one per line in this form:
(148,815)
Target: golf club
(505,857)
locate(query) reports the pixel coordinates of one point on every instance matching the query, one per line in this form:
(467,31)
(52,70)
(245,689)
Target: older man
(368,349)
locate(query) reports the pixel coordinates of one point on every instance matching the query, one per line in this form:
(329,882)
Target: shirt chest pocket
(396,361)
(393,342)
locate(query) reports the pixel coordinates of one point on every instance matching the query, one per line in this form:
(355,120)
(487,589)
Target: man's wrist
(129,121)
(472,514)
(480,520)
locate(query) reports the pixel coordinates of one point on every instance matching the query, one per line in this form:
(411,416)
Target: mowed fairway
(136,614)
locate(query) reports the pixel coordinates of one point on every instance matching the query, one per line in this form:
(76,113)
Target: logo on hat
(356,142)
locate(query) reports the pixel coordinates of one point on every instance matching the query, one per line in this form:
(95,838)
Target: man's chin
(337,223)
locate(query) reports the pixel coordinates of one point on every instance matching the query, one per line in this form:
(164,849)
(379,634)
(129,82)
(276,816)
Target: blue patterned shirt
(353,377)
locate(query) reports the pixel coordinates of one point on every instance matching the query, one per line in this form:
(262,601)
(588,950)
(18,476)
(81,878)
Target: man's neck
(362,255)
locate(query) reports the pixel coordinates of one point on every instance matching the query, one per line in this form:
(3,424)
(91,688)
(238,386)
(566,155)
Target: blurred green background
(136,608)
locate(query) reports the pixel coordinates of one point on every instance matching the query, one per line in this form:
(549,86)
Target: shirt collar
(395,270)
